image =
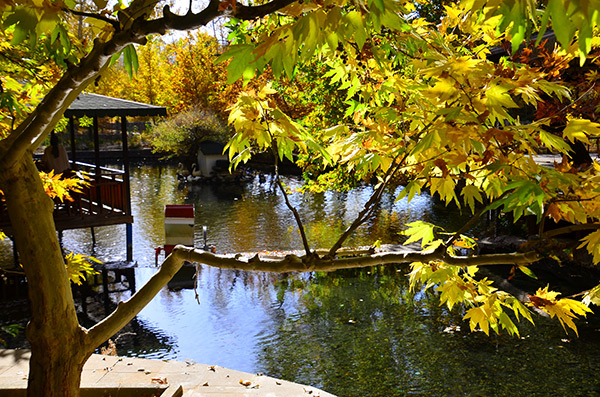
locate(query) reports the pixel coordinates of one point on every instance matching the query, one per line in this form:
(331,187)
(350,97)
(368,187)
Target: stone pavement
(123,376)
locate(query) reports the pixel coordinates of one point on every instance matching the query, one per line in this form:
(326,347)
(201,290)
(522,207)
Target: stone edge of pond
(129,376)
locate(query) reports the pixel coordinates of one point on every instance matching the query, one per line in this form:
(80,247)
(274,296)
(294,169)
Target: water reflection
(352,333)
(362,333)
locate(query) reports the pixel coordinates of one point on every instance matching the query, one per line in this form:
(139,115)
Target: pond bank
(124,376)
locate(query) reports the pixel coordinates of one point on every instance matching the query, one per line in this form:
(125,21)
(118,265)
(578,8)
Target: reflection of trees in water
(137,338)
(220,285)
(359,333)
(152,187)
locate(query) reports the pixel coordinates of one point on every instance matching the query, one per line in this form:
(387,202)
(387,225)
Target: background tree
(182,134)
(421,100)
(151,83)
(196,76)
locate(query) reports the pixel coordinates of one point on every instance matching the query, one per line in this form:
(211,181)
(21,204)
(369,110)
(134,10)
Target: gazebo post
(73,152)
(128,226)
(96,146)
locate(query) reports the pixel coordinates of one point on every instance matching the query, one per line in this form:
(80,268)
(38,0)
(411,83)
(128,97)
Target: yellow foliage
(566,310)
(58,187)
(79,267)
(592,244)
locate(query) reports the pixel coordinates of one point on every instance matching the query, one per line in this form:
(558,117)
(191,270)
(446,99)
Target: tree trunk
(55,372)
(58,351)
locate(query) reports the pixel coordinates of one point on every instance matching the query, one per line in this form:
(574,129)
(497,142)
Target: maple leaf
(566,310)
(419,230)
(480,316)
(79,266)
(579,129)
(453,293)
(592,296)
(592,241)
(470,194)
(554,212)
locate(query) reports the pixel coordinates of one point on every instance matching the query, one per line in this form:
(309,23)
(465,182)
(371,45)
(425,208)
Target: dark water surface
(352,333)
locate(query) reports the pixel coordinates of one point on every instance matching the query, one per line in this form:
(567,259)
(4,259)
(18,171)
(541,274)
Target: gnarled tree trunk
(54,331)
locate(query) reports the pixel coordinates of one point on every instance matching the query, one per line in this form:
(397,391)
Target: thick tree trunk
(58,352)
(54,372)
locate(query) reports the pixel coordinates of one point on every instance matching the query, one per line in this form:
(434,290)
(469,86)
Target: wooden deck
(104,202)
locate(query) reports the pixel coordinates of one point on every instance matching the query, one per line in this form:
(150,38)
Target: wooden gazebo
(107,200)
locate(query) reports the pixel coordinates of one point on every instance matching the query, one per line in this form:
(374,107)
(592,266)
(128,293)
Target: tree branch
(290,263)
(248,12)
(571,229)
(189,21)
(294,263)
(115,24)
(471,221)
(367,210)
(127,310)
(289,205)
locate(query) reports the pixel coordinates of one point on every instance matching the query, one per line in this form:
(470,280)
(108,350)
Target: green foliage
(12,330)
(181,135)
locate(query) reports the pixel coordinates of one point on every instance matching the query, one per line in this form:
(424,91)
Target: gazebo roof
(94,105)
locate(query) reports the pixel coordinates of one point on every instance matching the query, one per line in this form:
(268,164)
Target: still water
(352,333)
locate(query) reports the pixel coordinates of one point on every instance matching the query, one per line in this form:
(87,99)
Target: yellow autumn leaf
(480,316)
(470,194)
(453,292)
(566,310)
(419,230)
(592,244)
(446,188)
(580,129)
(79,266)
(592,296)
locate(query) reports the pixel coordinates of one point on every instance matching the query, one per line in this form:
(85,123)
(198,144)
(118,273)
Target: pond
(351,333)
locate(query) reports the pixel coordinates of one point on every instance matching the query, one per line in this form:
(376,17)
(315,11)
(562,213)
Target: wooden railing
(106,193)
(103,202)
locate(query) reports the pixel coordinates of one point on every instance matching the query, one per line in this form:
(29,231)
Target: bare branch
(290,263)
(115,24)
(571,229)
(471,221)
(287,201)
(248,12)
(189,21)
(369,206)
